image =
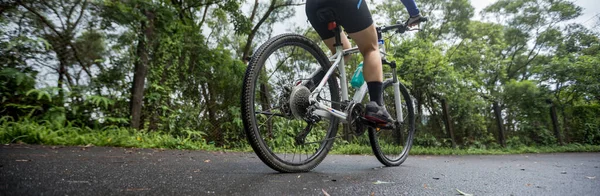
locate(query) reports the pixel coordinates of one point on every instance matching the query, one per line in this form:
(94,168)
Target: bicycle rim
(391,146)
(272,129)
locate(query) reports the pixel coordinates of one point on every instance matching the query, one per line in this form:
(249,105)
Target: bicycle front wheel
(278,123)
(391,146)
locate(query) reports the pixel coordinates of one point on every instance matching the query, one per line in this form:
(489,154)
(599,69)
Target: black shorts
(353,15)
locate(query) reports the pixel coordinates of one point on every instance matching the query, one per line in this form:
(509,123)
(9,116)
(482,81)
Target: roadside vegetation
(48,133)
(168,73)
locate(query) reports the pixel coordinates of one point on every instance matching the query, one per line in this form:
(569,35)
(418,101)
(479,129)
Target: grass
(48,133)
(419,150)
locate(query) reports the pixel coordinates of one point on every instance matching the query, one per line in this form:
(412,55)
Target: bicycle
(304,112)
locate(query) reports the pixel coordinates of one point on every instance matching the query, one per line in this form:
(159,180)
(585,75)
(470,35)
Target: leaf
(45,42)
(40,93)
(30,91)
(382,182)
(325,192)
(463,193)
(138,189)
(20,78)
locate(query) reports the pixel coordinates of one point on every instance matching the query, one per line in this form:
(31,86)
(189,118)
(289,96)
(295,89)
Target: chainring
(355,112)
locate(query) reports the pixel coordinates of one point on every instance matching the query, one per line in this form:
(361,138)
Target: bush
(585,124)
(426,140)
(46,132)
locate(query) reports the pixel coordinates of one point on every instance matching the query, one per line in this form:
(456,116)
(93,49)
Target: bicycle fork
(397,95)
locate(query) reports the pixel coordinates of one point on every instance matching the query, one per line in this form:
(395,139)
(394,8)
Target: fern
(100,101)
(40,92)
(19,76)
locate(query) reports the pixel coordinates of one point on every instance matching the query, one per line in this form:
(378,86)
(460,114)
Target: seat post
(332,26)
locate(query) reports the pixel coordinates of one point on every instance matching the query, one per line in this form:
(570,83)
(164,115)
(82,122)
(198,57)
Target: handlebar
(399,27)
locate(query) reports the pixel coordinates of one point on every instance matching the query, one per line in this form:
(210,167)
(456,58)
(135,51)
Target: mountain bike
(295,97)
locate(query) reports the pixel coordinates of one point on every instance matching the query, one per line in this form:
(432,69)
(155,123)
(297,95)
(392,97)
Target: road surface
(52,170)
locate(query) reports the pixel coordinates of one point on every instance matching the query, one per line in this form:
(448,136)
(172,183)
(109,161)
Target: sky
(591,9)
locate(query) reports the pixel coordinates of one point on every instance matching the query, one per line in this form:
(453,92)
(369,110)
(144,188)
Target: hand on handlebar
(402,27)
(413,21)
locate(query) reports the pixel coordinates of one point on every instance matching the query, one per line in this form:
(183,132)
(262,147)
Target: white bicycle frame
(338,62)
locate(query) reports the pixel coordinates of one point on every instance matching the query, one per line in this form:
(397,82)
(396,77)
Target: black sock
(375,92)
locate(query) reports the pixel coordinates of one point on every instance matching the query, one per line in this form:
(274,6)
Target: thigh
(353,15)
(311,8)
(366,39)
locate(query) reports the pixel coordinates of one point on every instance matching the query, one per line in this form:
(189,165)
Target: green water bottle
(358,79)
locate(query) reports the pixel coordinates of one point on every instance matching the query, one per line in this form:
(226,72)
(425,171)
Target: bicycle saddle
(327,14)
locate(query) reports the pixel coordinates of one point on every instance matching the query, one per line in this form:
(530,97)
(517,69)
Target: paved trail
(47,170)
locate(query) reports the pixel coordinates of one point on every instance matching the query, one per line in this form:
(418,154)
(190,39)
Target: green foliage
(100,101)
(586,124)
(421,150)
(524,55)
(40,94)
(49,133)
(426,140)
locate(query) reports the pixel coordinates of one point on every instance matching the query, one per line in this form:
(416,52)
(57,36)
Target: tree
(275,11)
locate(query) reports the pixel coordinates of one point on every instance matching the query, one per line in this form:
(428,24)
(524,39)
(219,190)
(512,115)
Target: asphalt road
(48,170)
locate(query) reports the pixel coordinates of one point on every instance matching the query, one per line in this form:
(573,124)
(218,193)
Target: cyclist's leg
(373,73)
(366,40)
(363,32)
(345,44)
(356,19)
(320,26)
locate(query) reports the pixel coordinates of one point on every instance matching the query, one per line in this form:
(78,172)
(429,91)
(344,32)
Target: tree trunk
(498,114)
(555,123)
(448,122)
(266,105)
(565,125)
(140,72)
(419,109)
(61,80)
(139,77)
(211,104)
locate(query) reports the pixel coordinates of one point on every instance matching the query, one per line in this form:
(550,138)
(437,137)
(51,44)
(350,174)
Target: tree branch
(80,15)
(71,11)
(55,12)
(42,18)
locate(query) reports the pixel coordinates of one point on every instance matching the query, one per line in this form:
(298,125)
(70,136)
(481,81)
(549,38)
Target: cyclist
(355,17)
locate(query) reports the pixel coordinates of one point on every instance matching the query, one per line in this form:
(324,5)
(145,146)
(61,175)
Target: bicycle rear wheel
(278,125)
(391,146)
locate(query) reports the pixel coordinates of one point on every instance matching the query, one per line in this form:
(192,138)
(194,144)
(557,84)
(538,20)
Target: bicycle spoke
(275,73)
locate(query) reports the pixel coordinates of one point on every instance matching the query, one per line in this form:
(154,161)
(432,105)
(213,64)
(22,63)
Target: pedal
(377,126)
